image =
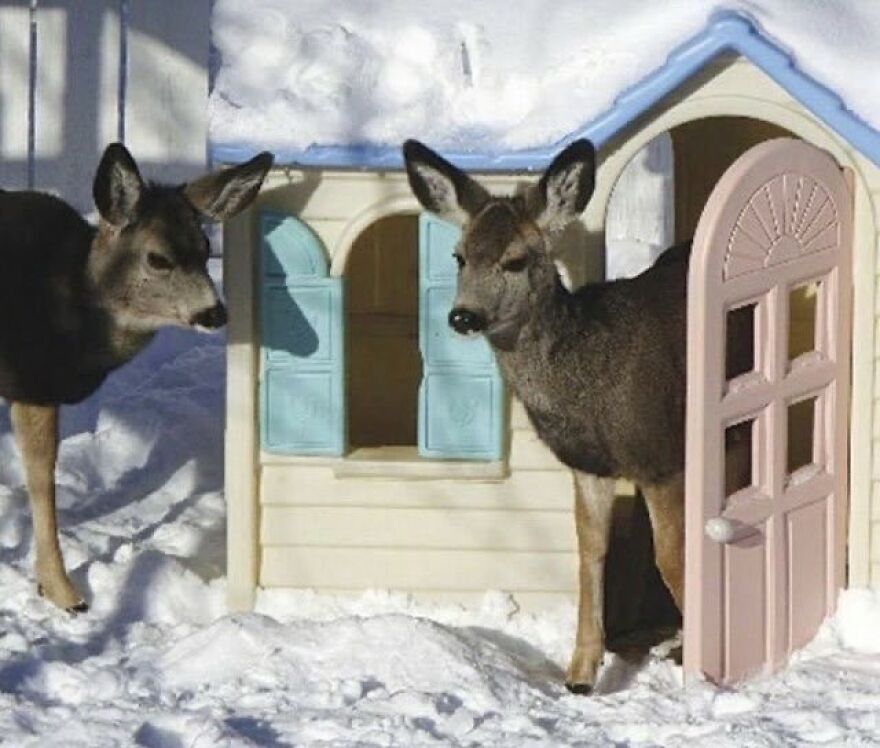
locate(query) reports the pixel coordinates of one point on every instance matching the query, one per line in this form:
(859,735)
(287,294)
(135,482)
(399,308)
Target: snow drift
(158,662)
(486,76)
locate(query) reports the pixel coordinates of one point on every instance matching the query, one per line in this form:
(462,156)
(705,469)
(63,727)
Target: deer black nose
(211,318)
(465,321)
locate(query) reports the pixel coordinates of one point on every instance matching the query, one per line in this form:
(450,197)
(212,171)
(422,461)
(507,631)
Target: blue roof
(727,31)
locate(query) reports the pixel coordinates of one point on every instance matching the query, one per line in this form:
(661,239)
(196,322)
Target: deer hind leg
(665,502)
(594,500)
(36,432)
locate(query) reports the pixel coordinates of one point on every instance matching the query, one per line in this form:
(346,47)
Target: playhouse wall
(309,524)
(439,537)
(449,530)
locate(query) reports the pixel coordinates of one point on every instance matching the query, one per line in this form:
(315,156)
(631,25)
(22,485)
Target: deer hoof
(72,608)
(581,689)
(581,676)
(81,607)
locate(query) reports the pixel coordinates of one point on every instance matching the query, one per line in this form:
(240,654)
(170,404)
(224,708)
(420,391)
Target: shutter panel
(461,397)
(301,312)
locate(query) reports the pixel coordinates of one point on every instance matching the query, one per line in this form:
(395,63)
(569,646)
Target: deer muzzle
(466,322)
(211,318)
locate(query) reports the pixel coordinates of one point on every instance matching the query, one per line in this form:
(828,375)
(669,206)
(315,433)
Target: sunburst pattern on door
(789,216)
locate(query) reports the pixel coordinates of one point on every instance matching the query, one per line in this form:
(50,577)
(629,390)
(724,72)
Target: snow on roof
(327,84)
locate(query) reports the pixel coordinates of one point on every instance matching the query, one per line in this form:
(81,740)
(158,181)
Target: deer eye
(459,259)
(515,265)
(159,262)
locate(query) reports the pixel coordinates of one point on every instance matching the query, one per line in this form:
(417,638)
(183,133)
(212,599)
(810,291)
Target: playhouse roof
(477,149)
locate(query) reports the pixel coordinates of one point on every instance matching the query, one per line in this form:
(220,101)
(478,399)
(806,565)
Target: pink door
(766,516)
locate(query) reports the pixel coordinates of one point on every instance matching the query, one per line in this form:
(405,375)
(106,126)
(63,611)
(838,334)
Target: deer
(599,370)
(78,300)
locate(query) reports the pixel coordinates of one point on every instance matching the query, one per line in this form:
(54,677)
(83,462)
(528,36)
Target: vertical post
(844,427)
(242,446)
(32,95)
(863,413)
(122,82)
(16,81)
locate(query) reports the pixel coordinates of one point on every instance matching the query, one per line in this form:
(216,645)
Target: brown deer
(600,371)
(77,301)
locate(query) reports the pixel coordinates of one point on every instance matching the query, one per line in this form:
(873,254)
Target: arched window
(375,365)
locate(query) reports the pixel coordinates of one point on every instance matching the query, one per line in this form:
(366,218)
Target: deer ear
(222,194)
(565,188)
(441,187)
(117,186)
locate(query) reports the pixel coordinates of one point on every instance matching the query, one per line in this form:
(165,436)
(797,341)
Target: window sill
(405,462)
(397,462)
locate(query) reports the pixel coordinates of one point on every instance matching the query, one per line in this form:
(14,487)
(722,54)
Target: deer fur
(600,371)
(77,301)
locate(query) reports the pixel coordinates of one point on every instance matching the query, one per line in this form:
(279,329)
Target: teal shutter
(302,387)
(461,398)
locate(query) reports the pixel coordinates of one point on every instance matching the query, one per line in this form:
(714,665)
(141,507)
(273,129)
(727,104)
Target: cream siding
(423,570)
(524,490)
(453,537)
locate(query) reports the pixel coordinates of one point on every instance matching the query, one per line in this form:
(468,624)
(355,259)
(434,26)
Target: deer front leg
(665,504)
(36,432)
(594,499)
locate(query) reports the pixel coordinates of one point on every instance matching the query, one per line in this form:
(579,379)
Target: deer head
(148,265)
(505,252)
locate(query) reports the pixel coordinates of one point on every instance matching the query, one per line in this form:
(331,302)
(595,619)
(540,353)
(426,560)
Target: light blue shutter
(461,398)
(302,387)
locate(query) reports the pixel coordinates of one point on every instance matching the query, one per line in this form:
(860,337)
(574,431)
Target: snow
(159,662)
(474,76)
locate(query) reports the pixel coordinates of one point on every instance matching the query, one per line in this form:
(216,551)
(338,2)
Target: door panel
(807,531)
(764,565)
(745,571)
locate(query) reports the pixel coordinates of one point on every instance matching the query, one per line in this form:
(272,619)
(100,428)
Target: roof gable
(726,32)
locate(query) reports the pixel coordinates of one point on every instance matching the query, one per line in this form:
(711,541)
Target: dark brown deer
(78,301)
(600,371)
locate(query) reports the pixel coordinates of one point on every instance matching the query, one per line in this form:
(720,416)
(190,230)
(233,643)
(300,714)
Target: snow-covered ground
(487,75)
(157,661)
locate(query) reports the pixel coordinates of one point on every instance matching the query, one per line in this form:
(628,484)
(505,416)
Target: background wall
(75,76)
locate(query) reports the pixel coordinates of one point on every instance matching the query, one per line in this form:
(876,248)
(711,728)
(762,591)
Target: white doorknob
(721,530)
